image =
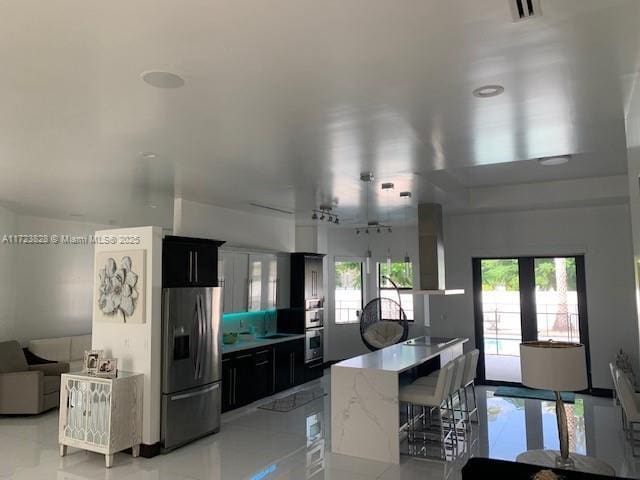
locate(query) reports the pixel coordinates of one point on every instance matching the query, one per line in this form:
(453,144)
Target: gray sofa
(27,389)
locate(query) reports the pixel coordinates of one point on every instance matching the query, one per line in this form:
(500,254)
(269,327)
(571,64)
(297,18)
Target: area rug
(523,392)
(294,400)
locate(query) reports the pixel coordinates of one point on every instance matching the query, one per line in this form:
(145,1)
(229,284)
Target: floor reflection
(258,444)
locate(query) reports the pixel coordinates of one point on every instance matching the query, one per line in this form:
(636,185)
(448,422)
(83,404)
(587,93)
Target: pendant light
(407,261)
(387,188)
(367,178)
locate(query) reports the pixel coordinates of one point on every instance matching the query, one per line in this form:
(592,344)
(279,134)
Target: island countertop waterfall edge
(365,413)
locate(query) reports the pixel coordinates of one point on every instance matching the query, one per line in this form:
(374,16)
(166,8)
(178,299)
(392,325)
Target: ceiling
(286,105)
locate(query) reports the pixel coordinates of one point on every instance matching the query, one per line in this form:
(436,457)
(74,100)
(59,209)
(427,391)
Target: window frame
(403,290)
(361,261)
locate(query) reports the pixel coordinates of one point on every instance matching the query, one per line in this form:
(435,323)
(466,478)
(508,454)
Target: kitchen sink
(274,336)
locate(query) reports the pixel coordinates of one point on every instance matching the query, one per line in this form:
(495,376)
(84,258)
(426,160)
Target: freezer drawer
(189,415)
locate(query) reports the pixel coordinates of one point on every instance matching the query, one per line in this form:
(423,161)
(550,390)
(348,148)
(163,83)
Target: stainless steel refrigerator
(191,364)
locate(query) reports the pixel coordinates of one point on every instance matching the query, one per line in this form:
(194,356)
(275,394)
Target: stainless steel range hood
(431,252)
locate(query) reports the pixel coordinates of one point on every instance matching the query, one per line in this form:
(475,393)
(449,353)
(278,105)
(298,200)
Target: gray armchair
(26,389)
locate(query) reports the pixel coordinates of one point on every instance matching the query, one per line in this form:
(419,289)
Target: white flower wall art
(121,286)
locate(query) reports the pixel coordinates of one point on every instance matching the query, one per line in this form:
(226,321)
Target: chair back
(458,375)
(470,367)
(627,396)
(614,369)
(445,378)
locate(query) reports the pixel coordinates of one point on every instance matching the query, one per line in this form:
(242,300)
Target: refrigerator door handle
(201,334)
(196,264)
(190,264)
(195,394)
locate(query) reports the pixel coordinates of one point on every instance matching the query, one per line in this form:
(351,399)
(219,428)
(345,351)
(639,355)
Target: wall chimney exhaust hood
(431,252)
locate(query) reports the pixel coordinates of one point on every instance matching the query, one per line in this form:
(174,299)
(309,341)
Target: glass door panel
(501,319)
(255,283)
(556,297)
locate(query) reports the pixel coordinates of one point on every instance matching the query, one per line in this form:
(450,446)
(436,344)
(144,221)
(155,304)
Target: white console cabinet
(103,415)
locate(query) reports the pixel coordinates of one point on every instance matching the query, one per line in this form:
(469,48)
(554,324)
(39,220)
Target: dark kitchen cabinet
(314,370)
(252,374)
(244,378)
(227,383)
(313,277)
(263,373)
(289,364)
(306,279)
(247,376)
(237,378)
(189,262)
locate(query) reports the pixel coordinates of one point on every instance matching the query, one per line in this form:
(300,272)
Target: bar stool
(454,389)
(429,398)
(630,404)
(469,381)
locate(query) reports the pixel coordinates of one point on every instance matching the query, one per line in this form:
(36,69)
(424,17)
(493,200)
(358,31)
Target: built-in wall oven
(313,346)
(314,318)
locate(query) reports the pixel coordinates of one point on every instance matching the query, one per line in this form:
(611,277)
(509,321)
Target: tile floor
(264,445)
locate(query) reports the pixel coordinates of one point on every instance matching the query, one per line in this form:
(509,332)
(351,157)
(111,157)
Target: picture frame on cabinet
(107,367)
(91,360)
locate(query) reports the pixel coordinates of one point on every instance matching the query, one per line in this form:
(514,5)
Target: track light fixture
(373,227)
(325,212)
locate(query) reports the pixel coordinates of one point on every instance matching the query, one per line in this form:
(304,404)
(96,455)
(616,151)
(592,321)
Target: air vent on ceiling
(524,9)
(269,207)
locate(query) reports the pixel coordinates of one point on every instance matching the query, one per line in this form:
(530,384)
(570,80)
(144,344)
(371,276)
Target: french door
(526,299)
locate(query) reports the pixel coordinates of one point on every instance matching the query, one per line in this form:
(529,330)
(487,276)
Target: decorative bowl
(229,338)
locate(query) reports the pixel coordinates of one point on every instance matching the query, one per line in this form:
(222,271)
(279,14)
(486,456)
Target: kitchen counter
(258,342)
(402,357)
(365,410)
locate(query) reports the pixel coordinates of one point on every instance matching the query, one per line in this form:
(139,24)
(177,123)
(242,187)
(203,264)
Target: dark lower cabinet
(243,382)
(314,370)
(249,375)
(289,364)
(263,373)
(237,379)
(227,383)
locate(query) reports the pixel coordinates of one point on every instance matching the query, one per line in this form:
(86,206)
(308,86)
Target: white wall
(53,298)
(7,277)
(343,340)
(50,284)
(138,346)
(602,234)
(633,162)
(237,228)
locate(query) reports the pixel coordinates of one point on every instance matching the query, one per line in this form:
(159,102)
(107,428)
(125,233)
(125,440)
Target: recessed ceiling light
(553,161)
(160,79)
(148,155)
(487,91)
(153,205)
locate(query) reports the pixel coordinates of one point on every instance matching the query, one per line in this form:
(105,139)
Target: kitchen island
(365,411)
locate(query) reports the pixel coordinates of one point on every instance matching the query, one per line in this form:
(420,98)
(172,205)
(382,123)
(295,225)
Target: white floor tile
(257,444)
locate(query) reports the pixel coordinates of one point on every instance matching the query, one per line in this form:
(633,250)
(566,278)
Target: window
(348,291)
(402,275)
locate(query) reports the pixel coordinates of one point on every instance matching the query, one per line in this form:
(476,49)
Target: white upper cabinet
(254,281)
(233,268)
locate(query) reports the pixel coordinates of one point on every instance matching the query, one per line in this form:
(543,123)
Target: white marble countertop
(401,357)
(258,342)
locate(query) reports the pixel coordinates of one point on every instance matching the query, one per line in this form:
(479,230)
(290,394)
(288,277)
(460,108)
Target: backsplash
(262,322)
